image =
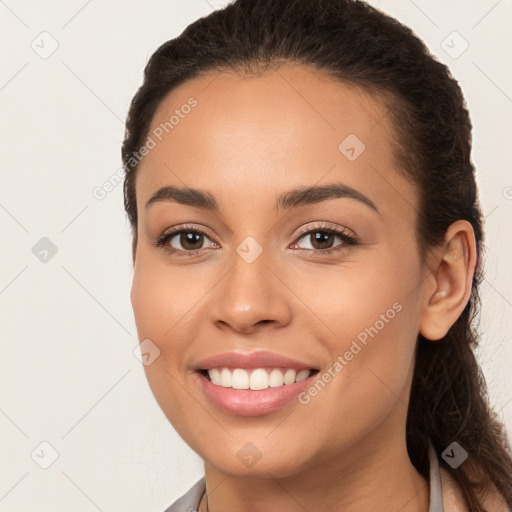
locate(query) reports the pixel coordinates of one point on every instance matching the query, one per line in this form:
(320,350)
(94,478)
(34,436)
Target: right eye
(190,239)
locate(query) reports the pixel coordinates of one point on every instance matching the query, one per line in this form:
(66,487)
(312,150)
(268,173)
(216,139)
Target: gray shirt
(189,502)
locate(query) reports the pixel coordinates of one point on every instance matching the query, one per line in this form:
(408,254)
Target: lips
(252,360)
(240,384)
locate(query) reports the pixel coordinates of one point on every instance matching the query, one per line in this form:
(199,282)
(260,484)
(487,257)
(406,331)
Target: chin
(245,460)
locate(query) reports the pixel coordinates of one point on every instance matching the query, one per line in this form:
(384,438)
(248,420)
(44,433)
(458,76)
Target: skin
(248,140)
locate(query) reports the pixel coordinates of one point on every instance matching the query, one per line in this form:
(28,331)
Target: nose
(250,296)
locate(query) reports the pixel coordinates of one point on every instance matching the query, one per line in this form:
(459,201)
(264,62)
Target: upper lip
(250,360)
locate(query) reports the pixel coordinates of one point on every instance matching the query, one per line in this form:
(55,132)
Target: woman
(306,240)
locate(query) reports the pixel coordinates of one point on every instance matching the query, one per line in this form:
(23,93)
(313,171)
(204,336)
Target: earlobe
(449,286)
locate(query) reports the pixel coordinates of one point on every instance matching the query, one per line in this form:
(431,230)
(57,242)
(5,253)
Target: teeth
(239,379)
(256,379)
(276,378)
(225,378)
(259,379)
(302,375)
(289,376)
(215,376)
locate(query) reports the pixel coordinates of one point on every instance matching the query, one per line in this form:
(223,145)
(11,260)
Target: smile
(256,392)
(256,379)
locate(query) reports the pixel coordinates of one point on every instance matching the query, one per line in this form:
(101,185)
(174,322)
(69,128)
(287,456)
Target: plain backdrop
(73,395)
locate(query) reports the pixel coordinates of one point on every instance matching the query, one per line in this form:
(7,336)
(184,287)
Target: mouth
(254,391)
(255,379)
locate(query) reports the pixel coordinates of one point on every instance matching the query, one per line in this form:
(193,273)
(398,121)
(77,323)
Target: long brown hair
(355,43)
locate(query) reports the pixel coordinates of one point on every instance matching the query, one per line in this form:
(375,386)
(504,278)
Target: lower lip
(245,402)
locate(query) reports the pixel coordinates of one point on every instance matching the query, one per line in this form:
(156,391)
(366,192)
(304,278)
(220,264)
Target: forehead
(274,100)
(292,125)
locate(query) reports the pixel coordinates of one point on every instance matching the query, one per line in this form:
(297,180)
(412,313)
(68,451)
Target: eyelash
(348,240)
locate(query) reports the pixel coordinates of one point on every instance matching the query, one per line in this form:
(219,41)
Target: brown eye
(322,240)
(184,241)
(189,240)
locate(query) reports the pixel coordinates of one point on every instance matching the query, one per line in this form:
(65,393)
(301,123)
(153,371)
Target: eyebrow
(301,196)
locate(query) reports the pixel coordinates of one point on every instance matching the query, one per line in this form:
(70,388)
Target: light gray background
(69,375)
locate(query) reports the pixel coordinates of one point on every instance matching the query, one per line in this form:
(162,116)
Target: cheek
(166,306)
(341,301)
(372,354)
(163,299)
(158,305)
(369,323)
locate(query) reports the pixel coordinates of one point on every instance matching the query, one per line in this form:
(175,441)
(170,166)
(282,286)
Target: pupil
(187,240)
(322,238)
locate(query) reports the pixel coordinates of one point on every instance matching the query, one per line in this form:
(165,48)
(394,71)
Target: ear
(448,287)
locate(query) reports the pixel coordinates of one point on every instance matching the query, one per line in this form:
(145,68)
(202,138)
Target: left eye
(322,239)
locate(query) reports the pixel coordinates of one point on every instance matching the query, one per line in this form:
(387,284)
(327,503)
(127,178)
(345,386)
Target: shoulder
(453,499)
(190,500)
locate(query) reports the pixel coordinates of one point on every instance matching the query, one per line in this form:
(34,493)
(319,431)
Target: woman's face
(249,281)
